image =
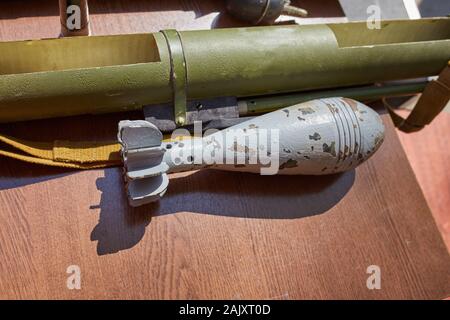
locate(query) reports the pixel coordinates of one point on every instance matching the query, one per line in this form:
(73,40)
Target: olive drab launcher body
(100,74)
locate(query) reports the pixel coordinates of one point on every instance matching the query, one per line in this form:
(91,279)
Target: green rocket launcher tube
(99,74)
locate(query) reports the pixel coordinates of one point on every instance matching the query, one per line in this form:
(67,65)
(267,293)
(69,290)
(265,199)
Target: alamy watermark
(73,281)
(374,280)
(73,21)
(242,146)
(374,17)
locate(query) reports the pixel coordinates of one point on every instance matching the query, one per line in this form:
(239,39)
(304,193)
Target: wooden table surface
(214,234)
(430,160)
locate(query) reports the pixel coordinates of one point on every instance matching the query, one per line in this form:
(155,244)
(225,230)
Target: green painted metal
(98,74)
(178,76)
(263,104)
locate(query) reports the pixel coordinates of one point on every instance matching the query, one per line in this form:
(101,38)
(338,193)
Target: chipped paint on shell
(316,136)
(290,163)
(331,149)
(306,110)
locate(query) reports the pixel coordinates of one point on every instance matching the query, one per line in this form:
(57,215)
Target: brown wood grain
(215,234)
(429,155)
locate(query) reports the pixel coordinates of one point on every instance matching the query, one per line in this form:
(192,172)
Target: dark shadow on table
(120,226)
(249,195)
(15,174)
(214,192)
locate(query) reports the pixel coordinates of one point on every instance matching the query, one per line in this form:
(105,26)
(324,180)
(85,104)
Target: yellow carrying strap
(66,154)
(432,101)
